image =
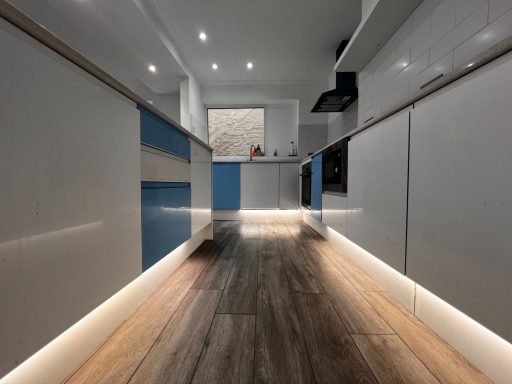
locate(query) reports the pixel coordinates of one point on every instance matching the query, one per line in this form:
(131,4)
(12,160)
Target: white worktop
(256,159)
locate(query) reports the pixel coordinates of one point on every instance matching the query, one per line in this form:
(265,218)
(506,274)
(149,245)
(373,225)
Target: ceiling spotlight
(215,66)
(202,36)
(249,65)
(152,68)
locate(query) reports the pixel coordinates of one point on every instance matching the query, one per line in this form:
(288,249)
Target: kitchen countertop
(256,159)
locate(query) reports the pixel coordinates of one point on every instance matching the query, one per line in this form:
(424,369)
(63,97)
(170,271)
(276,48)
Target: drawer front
(166,219)
(159,166)
(157,133)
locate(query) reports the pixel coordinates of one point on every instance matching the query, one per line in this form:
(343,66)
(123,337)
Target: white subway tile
(467,7)
(395,98)
(365,102)
(498,8)
(442,66)
(462,32)
(439,27)
(445,8)
(417,66)
(495,32)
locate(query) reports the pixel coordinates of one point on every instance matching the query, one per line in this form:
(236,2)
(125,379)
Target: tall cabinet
(460,202)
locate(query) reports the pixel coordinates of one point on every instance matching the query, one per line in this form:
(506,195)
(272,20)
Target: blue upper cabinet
(157,133)
(166,219)
(316,187)
(226,186)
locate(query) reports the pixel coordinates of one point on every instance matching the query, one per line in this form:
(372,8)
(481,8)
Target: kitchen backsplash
(439,36)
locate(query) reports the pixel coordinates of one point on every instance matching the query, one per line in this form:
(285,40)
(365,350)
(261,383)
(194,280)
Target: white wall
(282,121)
(306,93)
(168,104)
(70,234)
(287,107)
(438,37)
(312,137)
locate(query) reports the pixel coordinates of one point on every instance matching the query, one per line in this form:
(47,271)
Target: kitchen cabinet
(334,212)
(316,187)
(288,186)
(460,195)
(260,185)
(201,186)
(377,189)
(157,133)
(226,186)
(166,219)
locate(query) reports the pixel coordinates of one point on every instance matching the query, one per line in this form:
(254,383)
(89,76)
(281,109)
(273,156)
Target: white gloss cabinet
(259,185)
(460,199)
(377,189)
(334,212)
(70,221)
(288,186)
(200,186)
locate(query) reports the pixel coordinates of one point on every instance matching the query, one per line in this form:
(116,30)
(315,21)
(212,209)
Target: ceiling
(287,40)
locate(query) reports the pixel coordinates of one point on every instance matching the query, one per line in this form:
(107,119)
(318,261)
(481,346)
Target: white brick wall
(439,36)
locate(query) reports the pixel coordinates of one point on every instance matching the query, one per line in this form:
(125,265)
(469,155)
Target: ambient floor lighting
(487,351)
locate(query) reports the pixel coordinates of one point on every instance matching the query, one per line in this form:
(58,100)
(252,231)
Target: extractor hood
(338,99)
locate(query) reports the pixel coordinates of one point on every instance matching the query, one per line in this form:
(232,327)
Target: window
(231,131)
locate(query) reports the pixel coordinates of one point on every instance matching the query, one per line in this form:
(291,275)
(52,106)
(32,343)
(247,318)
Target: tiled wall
(439,36)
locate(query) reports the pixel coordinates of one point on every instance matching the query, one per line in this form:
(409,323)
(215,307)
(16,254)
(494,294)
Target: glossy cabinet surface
(377,189)
(70,195)
(260,185)
(288,186)
(157,165)
(157,133)
(334,212)
(226,186)
(460,198)
(316,187)
(201,186)
(166,219)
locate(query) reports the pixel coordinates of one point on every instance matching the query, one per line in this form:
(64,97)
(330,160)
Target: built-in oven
(306,185)
(334,167)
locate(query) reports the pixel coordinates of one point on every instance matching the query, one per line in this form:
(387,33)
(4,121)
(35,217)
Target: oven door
(306,186)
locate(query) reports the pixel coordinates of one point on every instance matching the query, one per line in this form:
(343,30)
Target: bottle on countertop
(258,150)
(275,152)
(293,149)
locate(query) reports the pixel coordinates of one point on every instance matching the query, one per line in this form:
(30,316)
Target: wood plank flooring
(272,302)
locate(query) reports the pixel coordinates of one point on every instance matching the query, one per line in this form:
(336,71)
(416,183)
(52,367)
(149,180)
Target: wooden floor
(272,302)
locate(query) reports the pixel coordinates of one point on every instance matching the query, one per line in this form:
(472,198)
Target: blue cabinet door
(226,186)
(157,133)
(166,219)
(316,187)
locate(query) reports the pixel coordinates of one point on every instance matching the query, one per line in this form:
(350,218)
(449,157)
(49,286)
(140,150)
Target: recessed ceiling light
(215,66)
(249,65)
(202,36)
(152,68)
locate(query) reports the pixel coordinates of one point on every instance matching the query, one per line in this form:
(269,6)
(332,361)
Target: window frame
(239,106)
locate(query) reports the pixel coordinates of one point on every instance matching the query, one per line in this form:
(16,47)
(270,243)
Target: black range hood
(337,100)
